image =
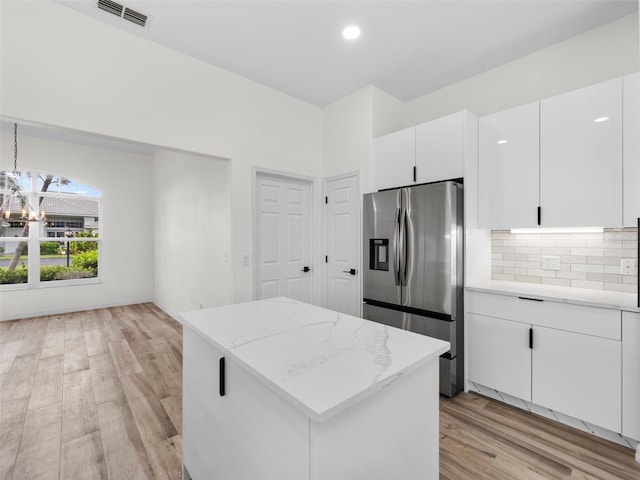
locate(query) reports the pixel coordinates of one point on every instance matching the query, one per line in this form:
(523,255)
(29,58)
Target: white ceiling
(407,48)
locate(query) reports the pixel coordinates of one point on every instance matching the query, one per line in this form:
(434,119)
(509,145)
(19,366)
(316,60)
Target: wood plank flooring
(98,395)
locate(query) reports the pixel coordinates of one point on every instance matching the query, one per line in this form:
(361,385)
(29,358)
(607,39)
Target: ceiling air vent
(123,12)
(135,17)
(111,7)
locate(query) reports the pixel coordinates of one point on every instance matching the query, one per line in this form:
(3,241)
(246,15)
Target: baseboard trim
(59,311)
(169,312)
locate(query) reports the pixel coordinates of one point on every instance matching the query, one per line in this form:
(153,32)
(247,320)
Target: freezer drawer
(451,375)
(432,327)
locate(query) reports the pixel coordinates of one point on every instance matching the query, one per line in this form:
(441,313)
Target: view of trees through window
(50,229)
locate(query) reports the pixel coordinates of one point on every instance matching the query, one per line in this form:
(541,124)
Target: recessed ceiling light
(601,119)
(351,32)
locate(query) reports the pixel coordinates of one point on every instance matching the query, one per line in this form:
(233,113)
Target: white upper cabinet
(509,168)
(631,150)
(431,152)
(440,149)
(581,157)
(394,159)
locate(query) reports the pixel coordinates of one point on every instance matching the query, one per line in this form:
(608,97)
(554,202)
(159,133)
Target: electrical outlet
(550,262)
(628,266)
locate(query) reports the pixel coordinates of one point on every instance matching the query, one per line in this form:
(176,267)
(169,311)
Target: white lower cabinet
(252,433)
(573,367)
(249,418)
(498,354)
(578,375)
(631,375)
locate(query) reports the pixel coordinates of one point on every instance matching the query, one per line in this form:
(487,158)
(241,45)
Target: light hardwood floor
(97,395)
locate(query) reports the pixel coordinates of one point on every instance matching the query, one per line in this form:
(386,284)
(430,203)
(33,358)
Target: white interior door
(282,238)
(343,245)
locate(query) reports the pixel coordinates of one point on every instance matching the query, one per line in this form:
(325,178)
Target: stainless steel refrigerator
(413,267)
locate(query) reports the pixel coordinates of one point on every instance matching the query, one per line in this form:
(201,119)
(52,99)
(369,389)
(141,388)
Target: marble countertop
(578,296)
(319,360)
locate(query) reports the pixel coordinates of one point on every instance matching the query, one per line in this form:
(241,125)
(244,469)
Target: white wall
(600,54)
(192,234)
(126,225)
(348,136)
(62,68)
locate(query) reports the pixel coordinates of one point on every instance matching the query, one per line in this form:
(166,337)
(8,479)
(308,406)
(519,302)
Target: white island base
(275,423)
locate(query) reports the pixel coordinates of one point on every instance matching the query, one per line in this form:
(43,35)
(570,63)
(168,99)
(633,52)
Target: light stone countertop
(319,360)
(578,296)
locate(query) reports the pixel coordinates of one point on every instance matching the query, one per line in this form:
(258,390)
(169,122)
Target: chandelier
(16,201)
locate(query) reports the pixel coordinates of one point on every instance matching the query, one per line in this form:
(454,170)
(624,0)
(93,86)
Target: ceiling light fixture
(16,201)
(351,32)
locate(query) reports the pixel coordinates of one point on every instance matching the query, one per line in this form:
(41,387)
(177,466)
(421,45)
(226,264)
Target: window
(62,249)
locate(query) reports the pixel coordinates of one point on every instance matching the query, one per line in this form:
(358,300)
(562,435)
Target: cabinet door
(219,431)
(631,375)
(578,375)
(581,157)
(440,149)
(394,159)
(508,174)
(631,149)
(498,354)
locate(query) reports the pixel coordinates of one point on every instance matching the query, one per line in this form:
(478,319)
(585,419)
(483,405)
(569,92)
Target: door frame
(325,237)
(260,171)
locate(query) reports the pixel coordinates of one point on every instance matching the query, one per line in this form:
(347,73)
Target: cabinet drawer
(600,322)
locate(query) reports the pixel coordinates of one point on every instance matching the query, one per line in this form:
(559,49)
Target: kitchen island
(278,389)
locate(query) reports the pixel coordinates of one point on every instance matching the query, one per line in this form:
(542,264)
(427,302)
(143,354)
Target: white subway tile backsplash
(587,284)
(556,251)
(529,265)
(600,243)
(518,257)
(559,282)
(504,263)
(528,250)
(572,243)
(587,268)
(621,252)
(573,259)
(604,277)
(504,249)
(587,260)
(572,275)
(621,287)
(502,276)
(528,279)
(604,260)
(515,271)
(537,272)
(588,252)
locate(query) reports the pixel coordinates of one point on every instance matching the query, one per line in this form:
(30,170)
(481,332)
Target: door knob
(305,269)
(350,272)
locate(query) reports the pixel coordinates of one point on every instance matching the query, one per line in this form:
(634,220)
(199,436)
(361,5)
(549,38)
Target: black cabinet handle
(305,269)
(350,272)
(222,378)
(415,175)
(531,338)
(531,299)
(539,216)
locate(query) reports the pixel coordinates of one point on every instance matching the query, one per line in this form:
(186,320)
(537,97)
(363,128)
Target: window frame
(34,239)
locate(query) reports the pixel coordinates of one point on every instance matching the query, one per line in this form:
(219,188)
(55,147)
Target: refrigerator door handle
(396,248)
(406,248)
(403,248)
